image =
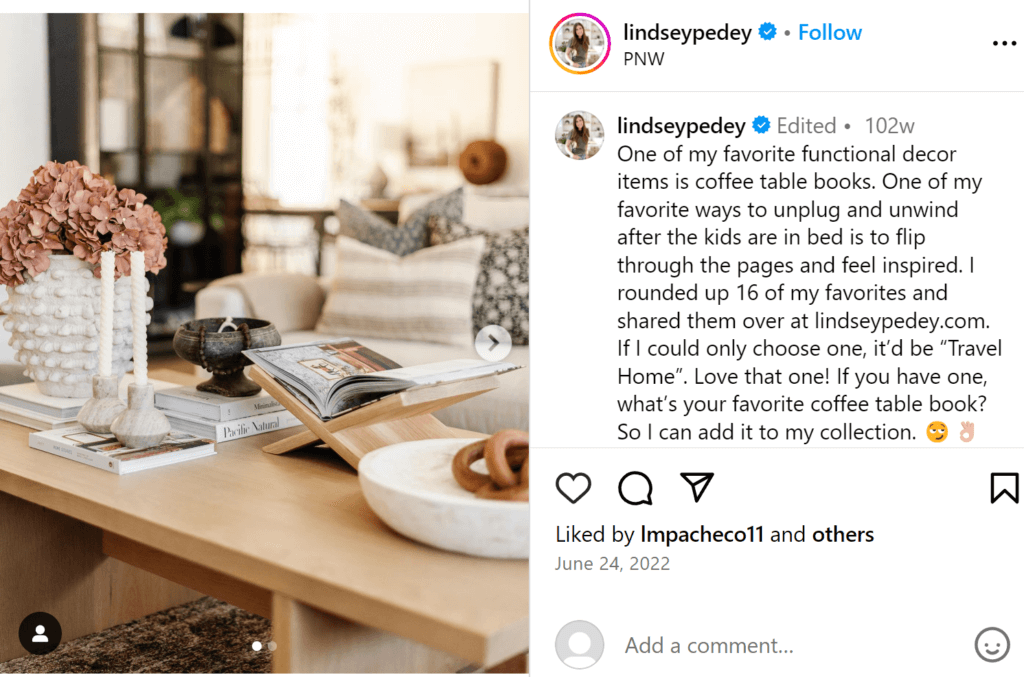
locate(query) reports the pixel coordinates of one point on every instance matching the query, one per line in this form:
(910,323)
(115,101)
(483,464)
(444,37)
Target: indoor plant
(51,238)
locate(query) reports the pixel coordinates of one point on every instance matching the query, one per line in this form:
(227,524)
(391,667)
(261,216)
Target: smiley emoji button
(937,431)
(992,645)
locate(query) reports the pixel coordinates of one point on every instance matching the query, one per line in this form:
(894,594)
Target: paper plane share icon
(698,482)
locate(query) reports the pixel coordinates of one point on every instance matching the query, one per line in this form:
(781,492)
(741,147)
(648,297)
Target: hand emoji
(967,434)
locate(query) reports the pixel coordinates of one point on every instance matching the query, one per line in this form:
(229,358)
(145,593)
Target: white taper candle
(139,317)
(106,314)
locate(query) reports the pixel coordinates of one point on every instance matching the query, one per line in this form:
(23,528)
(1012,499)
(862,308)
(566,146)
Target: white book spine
(254,425)
(228,411)
(245,409)
(235,430)
(39,408)
(30,419)
(75,454)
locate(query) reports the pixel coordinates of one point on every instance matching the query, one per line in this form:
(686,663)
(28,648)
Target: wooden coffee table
(287,537)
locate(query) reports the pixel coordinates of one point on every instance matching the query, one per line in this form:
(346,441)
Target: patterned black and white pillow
(402,240)
(502,293)
(449,206)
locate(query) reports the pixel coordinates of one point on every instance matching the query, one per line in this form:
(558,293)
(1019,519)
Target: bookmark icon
(698,482)
(1005,484)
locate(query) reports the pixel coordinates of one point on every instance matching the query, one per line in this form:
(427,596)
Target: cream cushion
(425,296)
(268,296)
(494,213)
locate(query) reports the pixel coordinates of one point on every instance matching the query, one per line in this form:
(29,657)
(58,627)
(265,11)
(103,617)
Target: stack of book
(198,420)
(25,405)
(103,451)
(223,418)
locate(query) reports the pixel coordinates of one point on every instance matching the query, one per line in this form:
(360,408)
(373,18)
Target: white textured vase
(54,323)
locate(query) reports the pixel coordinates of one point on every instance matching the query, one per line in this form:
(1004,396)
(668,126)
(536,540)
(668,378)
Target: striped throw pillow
(426,296)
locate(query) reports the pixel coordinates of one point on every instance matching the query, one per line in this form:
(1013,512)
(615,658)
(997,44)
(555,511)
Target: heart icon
(573,487)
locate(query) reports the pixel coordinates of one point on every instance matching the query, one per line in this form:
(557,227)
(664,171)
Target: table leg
(311,641)
(53,563)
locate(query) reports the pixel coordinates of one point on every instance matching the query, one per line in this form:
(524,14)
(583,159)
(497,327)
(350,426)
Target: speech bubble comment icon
(635,488)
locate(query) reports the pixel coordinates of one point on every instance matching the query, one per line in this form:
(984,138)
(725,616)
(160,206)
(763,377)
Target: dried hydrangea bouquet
(51,239)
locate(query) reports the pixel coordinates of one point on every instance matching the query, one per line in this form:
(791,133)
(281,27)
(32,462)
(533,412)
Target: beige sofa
(293,302)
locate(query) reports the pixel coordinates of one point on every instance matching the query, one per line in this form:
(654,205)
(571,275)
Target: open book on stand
(334,376)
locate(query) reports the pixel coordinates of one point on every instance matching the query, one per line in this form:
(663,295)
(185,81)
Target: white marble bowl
(411,488)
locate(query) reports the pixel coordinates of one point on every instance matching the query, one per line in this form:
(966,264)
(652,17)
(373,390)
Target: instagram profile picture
(579,644)
(579,135)
(579,43)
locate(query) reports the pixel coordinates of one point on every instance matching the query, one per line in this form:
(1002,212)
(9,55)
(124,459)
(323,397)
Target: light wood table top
(294,524)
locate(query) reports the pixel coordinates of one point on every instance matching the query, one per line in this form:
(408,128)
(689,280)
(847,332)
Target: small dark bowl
(220,354)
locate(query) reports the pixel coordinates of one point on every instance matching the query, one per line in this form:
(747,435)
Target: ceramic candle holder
(141,424)
(99,412)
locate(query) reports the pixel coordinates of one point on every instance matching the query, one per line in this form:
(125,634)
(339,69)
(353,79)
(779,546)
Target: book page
(318,367)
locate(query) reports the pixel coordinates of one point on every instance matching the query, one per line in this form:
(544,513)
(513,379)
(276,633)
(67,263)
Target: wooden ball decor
(483,162)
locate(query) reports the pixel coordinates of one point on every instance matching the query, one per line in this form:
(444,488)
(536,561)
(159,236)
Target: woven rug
(206,635)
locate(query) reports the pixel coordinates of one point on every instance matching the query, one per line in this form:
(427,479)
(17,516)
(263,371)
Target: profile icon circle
(579,135)
(39,633)
(579,644)
(580,43)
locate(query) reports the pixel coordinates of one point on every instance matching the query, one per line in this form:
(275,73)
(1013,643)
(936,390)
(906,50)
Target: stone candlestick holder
(99,413)
(141,424)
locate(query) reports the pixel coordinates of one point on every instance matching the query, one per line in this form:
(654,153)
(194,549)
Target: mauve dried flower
(65,207)
(23,245)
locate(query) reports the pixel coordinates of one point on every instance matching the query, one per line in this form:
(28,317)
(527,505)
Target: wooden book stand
(402,417)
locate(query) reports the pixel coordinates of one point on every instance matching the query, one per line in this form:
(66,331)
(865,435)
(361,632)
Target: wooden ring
(517,456)
(517,493)
(469,479)
(495,450)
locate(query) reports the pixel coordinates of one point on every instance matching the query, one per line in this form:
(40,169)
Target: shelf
(117,50)
(174,57)
(161,151)
(302,246)
(196,286)
(213,63)
(161,123)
